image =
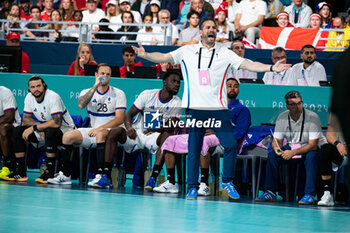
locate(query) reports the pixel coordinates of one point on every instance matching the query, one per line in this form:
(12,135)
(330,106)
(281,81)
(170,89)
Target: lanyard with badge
(305,81)
(281,80)
(297,145)
(203,75)
(302,125)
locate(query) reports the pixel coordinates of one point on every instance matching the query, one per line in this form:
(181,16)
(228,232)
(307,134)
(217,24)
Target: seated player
(106,107)
(133,137)
(9,118)
(52,120)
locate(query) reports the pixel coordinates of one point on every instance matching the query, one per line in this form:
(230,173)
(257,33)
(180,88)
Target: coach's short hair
(292,95)
(201,24)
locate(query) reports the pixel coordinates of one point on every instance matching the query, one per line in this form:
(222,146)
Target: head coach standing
(204,68)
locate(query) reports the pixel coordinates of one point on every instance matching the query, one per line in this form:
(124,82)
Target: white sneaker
(326,199)
(203,190)
(166,187)
(60,178)
(95,180)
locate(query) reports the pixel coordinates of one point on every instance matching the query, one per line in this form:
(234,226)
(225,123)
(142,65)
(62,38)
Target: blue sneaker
(192,194)
(150,184)
(307,200)
(104,182)
(230,189)
(267,196)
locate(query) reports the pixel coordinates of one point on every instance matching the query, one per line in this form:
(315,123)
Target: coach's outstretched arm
(260,67)
(153,57)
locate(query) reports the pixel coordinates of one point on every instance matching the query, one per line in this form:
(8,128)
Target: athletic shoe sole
(100,187)
(41,181)
(7,179)
(326,205)
(58,183)
(270,200)
(235,198)
(149,188)
(306,203)
(203,194)
(166,191)
(24,179)
(38,180)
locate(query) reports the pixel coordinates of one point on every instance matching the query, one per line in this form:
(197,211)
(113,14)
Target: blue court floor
(43,208)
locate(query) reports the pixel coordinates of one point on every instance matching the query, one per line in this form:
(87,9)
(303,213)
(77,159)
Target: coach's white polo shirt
(310,76)
(212,96)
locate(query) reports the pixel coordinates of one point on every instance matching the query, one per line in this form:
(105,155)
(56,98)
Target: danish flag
(290,38)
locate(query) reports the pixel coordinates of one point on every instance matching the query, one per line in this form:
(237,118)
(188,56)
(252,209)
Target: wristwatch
(336,143)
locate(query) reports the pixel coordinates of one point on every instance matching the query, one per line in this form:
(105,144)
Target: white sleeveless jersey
(102,106)
(50,105)
(8,102)
(149,101)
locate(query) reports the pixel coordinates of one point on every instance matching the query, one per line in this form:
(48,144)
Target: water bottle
(161,177)
(102,79)
(43,167)
(147,175)
(218,191)
(114,175)
(121,176)
(211,184)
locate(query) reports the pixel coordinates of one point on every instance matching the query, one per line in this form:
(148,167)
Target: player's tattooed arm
(85,99)
(57,119)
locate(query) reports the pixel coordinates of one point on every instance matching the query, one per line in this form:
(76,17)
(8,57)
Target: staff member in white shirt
(302,130)
(237,46)
(282,78)
(204,68)
(309,72)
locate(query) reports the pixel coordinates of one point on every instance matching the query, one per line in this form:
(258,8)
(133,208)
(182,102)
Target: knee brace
(53,138)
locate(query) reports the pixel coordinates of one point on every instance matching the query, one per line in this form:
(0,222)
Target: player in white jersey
(106,106)
(154,105)
(45,119)
(204,68)
(9,117)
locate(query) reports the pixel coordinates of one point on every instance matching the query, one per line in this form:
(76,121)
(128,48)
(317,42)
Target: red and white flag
(248,44)
(288,37)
